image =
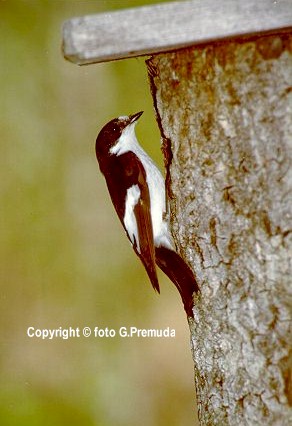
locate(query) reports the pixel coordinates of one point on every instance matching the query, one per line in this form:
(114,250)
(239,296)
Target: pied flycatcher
(137,190)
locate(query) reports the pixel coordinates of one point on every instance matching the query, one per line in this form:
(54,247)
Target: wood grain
(167,26)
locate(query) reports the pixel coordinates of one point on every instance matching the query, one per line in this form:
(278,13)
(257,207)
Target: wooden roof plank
(166,26)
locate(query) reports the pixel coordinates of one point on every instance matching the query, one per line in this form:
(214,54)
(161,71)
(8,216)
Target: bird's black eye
(115,131)
(111,132)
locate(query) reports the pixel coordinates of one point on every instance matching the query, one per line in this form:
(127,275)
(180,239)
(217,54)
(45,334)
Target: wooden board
(167,26)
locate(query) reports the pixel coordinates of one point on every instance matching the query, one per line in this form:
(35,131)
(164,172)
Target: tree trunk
(225,116)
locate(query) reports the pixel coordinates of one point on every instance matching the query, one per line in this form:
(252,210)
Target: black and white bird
(137,190)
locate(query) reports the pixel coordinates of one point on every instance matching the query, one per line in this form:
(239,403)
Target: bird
(137,190)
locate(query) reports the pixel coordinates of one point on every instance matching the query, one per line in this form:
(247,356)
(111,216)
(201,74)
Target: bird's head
(110,134)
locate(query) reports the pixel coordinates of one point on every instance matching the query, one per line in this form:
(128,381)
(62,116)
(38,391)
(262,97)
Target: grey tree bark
(225,116)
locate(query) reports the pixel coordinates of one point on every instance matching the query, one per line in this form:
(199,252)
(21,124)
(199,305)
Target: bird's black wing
(126,181)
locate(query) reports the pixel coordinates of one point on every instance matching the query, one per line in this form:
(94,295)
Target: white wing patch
(130,222)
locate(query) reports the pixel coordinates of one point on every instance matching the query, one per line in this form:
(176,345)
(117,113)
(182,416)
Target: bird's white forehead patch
(123,117)
(130,222)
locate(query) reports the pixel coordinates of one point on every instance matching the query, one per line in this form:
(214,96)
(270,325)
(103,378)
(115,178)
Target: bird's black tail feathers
(179,273)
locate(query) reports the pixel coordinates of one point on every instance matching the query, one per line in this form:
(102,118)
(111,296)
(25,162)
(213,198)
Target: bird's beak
(134,117)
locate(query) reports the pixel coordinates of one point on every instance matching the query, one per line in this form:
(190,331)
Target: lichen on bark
(225,115)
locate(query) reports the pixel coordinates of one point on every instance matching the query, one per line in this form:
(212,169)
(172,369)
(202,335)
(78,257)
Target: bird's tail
(179,273)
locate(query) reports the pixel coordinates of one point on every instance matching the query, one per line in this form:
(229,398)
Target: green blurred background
(65,260)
